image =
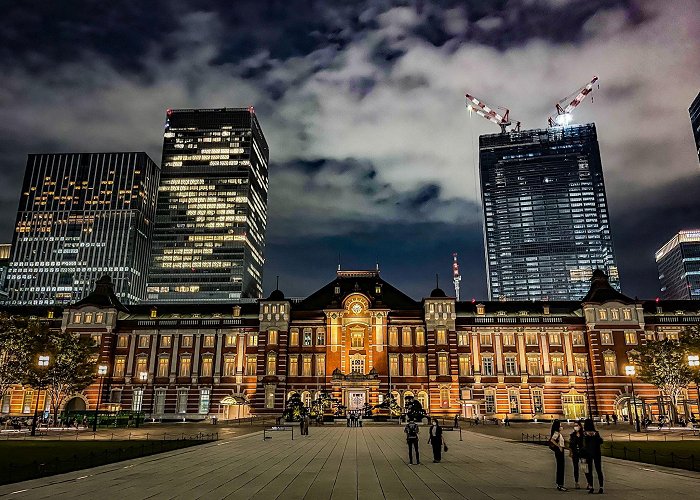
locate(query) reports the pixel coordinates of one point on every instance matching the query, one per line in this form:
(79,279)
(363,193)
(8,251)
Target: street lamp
(101,371)
(588,399)
(694,362)
(43,364)
(631,372)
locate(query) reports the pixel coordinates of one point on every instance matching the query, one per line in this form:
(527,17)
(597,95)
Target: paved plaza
(344,463)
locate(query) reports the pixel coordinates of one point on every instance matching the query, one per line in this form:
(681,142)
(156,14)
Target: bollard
(460,433)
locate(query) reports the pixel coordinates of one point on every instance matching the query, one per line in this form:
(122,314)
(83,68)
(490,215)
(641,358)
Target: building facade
(209,238)
(358,339)
(694,112)
(80,216)
(678,262)
(546,225)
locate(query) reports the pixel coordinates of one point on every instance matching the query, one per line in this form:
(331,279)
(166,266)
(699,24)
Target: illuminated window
(293,365)
(306,365)
(144,340)
(253,339)
(99,317)
(204,400)
(251,364)
(209,341)
(163,364)
(320,365)
(443,364)
(272,336)
(508,339)
(187,341)
(394,365)
(531,338)
(614,313)
(441,336)
(578,338)
(294,336)
(407,364)
(307,337)
(581,364)
(165,341)
(444,397)
(321,337)
(181,405)
(420,336)
(406,336)
(88,318)
(630,337)
(141,366)
(554,338)
(489,401)
(485,339)
(231,340)
(357,364)
(627,314)
(602,314)
(229,366)
(137,401)
(357,338)
(557,362)
(538,400)
(421,365)
(606,338)
(269,396)
(514,400)
(119,365)
(463,338)
(465,366)
(77,318)
(487,365)
(533,365)
(207,365)
(185,366)
(271,363)
(511,365)
(610,362)
(393,336)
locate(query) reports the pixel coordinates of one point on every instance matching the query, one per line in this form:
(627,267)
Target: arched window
(422,397)
(271,363)
(306,398)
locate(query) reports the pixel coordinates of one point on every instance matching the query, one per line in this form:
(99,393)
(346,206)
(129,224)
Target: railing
(137,448)
(628,451)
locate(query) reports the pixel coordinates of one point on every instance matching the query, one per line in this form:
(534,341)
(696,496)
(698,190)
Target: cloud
(363,105)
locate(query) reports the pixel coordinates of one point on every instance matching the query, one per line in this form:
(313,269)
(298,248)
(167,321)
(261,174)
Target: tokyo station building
(359,338)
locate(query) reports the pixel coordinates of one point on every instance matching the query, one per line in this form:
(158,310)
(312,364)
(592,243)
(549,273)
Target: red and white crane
(456,278)
(483,109)
(563,116)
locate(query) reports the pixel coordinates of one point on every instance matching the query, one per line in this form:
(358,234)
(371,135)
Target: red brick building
(360,338)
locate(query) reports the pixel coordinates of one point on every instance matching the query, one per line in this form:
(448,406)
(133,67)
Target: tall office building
(209,239)
(694,111)
(81,216)
(546,217)
(678,262)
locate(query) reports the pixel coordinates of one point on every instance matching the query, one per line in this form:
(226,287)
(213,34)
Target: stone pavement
(351,463)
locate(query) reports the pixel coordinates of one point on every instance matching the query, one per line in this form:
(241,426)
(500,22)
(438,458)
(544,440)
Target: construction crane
(563,116)
(482,109)
(456,278)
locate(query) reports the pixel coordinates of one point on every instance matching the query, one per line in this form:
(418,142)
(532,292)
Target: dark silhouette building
(209,238)
(80,216)
(546,222)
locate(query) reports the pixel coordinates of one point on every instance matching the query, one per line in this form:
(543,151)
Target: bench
(277,428)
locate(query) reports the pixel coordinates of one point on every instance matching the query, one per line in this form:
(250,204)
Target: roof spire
(377,263)
(277,286)
(338,261)
(437,280)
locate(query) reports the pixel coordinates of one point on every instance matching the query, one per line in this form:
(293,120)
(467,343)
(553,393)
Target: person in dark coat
(435,440)
(412,431)
(575,449)
(556,443)
(591,447)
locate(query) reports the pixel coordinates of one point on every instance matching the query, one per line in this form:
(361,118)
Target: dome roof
(276,295)
(437,293)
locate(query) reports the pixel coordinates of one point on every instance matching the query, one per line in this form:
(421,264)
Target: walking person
(575,450)
(591,445)
(435,440)
(556,444)
(412,431)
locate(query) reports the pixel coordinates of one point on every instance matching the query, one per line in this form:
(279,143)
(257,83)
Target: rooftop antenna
(338,261)
(277,286)
(377,260)
(456,278)
(437,280)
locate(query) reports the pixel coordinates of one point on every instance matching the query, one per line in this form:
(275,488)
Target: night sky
(372,150)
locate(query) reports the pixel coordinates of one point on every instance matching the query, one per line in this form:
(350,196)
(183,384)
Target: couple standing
(435,440)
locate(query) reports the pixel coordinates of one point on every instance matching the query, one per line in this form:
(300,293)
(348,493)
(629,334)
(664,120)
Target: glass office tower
(209,239)
(678,262)
(694,112)
(81,216)
(546,217)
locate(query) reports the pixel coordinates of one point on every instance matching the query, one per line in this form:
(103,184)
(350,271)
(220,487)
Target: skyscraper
(694,111)
(678,262)
(209,239)
(81,216)
(546,225)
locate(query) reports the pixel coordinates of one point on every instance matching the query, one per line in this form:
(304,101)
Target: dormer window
(236,311)
(602,314)
(78,318)
(480,309)
(337,289)
(154,312)
(49,314)
(545,309)
(378,289)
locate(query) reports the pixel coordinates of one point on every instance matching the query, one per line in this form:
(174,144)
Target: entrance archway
(75,404)
(235,406)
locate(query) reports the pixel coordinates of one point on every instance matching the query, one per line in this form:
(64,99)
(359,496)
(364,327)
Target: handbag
(552,445)
(444,446)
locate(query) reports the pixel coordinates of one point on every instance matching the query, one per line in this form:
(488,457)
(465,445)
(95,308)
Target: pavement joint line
(324,464)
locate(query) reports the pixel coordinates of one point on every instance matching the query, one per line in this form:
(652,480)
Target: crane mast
(484,110)
(563,116)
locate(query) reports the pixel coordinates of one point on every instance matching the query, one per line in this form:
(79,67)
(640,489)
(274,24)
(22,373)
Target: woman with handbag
(591,445)
(436,441)
(556,444)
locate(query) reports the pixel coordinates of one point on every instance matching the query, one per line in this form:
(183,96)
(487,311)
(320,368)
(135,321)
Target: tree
(663,363)
(414,409)
(15,352)
(690,342)
(72,363)
(389,403)
(295,408)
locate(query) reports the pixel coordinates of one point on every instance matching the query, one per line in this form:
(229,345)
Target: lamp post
(588,399)
(631,372)
(43,364)
(101,371)
(694,363)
